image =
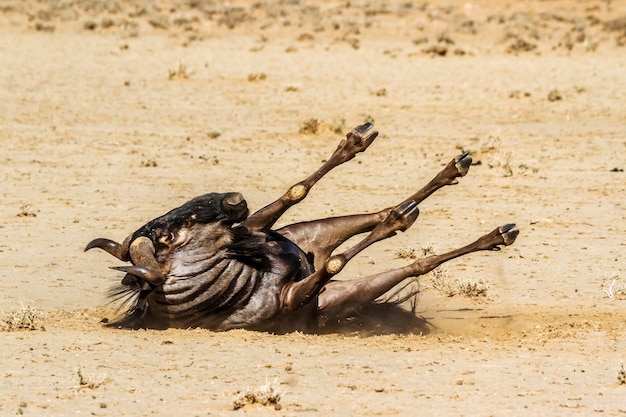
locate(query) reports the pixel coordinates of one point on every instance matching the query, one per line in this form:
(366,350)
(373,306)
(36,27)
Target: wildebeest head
(204,222)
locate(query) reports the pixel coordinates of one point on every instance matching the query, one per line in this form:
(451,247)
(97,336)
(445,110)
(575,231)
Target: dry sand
(114,112)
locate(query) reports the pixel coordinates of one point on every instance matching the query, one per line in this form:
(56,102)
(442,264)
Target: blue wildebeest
(210,264)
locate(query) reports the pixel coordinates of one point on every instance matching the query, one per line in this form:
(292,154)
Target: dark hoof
(356,140)
(362,129)
(509,233)
(404,215)
(463,163)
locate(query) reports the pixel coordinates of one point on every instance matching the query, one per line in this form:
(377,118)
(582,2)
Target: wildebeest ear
(235,207)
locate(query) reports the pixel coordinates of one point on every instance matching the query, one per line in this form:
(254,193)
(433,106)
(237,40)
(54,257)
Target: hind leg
(339,296)
(321,237)
(298,293)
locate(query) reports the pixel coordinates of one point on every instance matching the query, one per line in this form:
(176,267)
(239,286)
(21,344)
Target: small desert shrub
(148,163)
(252,77)
(621,375)
(614,287)
(26,211)
(180,72)
(472,289)
(441,281)
(406,253)
(310,126)
(26,318)
(491,152)
(90,381)
(267,395)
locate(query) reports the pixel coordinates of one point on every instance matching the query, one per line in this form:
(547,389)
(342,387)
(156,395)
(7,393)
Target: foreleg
(321,237)
(355,142)
(297,294)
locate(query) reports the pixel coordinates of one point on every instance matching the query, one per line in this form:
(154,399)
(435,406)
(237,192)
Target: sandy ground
(114,112)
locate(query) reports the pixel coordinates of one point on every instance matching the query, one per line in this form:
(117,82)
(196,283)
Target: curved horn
(111,247)
(150,275)
(145,264)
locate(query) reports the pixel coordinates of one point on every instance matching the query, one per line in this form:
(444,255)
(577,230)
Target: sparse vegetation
(266,395)
(180,72)
(252,77)
(442,281)
(90,381)
(148,163)
(472,289)
(406,253)
(26,318)
(614,287)
(310,126)
(26,211)
(489,151)
(520,45)
(621,375)
(381,92)
(555,95)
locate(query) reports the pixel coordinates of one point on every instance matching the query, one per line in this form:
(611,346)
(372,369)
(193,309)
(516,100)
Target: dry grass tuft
(491,152)
(26,318)
(406,253)
(614,287)
(180,72)
(266,395)
(310,126)
(26,211)
(472,289)
(90,381)
(261,76)
(442,281)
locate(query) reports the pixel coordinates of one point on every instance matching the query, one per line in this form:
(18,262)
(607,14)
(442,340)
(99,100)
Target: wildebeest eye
(168,238)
